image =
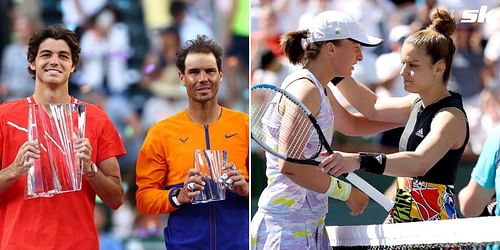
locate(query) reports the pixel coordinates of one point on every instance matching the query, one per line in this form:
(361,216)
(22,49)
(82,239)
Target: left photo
(125,121)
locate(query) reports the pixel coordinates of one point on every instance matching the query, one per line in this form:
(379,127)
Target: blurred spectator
(105,50)
(364,70)
(160,77)
(188,25)
(155,20)
(315,7)
(389,65)
(30,9)
(483,118)
(15,82)
(492,59)
(289,12)
(237,58)
(166,101)
(126,121)
(272,70)
(267,36)
(6,8)
(423,15)
(102,220)
(404,14)
(147,233)
(159,65)
(76,13)
(123,218)
(468,63)
(372,15)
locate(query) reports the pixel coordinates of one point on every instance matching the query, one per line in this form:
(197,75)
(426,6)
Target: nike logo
(229,135)
(183,140)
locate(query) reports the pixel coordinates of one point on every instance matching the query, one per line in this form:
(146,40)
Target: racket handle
(369,190)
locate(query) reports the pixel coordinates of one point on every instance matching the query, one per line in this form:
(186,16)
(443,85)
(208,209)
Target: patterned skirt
(417,200)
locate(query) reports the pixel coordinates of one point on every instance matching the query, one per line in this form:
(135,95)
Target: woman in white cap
(293,206)
(436,131)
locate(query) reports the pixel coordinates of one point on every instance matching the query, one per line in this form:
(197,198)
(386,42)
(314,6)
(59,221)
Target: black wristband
(372,162)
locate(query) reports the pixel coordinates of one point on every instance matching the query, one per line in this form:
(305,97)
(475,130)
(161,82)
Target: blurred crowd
(127,66)
(476,65)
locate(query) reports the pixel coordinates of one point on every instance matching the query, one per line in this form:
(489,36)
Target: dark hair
(202,44)
(436,40)
(291,44)
(56,32)
(177,7)
(266,58)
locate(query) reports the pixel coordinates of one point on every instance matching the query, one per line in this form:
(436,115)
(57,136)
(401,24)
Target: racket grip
(369,190)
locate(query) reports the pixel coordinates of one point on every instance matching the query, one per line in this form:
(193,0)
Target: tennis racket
(285,127)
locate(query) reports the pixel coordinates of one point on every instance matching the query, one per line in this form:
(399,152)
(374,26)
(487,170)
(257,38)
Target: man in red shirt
(64,221)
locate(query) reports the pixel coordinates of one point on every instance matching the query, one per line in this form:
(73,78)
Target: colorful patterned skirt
(418,200)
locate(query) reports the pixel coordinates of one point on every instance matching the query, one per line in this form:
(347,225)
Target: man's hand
(357,201)
(193,184)
(83,150)
(239,186)
(29,150)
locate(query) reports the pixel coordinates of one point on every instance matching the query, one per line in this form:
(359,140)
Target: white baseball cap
(334,25)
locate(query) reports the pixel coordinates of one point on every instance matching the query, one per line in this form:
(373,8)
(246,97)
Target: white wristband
(176,202)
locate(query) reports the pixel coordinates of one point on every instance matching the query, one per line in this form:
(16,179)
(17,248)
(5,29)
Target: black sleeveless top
(417,128)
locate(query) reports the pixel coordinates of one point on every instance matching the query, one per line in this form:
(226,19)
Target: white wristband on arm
(339,189)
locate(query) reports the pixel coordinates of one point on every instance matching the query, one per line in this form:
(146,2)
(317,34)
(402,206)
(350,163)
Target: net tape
(466,233)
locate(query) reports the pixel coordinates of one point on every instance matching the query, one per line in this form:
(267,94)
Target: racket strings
(282,126)
(296,133)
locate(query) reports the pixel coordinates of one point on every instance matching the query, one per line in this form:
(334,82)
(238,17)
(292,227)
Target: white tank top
(282,195)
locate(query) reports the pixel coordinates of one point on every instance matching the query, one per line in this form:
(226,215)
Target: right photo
(367,116)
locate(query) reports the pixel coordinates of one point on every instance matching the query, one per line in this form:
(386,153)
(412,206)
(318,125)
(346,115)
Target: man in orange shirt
(165,164)
(64,221)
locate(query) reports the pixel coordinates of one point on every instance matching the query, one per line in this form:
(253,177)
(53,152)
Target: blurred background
(475,74)
(128,68)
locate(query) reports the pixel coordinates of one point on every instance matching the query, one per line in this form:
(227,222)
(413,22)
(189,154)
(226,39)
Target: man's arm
(19,167)
(477,194)
(151,174)
(107,182)
(474,198)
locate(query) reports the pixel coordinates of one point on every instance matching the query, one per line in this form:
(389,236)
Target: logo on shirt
(379,159)
(420,133)
(229,135)
(183,140)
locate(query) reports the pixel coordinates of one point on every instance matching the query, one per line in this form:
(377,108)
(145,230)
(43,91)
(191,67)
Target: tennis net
(467,233)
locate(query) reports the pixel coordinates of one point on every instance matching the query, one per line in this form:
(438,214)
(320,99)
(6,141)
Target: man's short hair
(202,44)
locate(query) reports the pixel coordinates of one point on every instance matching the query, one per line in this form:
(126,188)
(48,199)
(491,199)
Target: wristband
(93,171)
(372,162)
(173,197)
(338,189)
(176,202)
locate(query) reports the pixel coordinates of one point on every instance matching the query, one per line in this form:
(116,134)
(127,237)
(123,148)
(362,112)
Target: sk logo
(183,140)
(229,135)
